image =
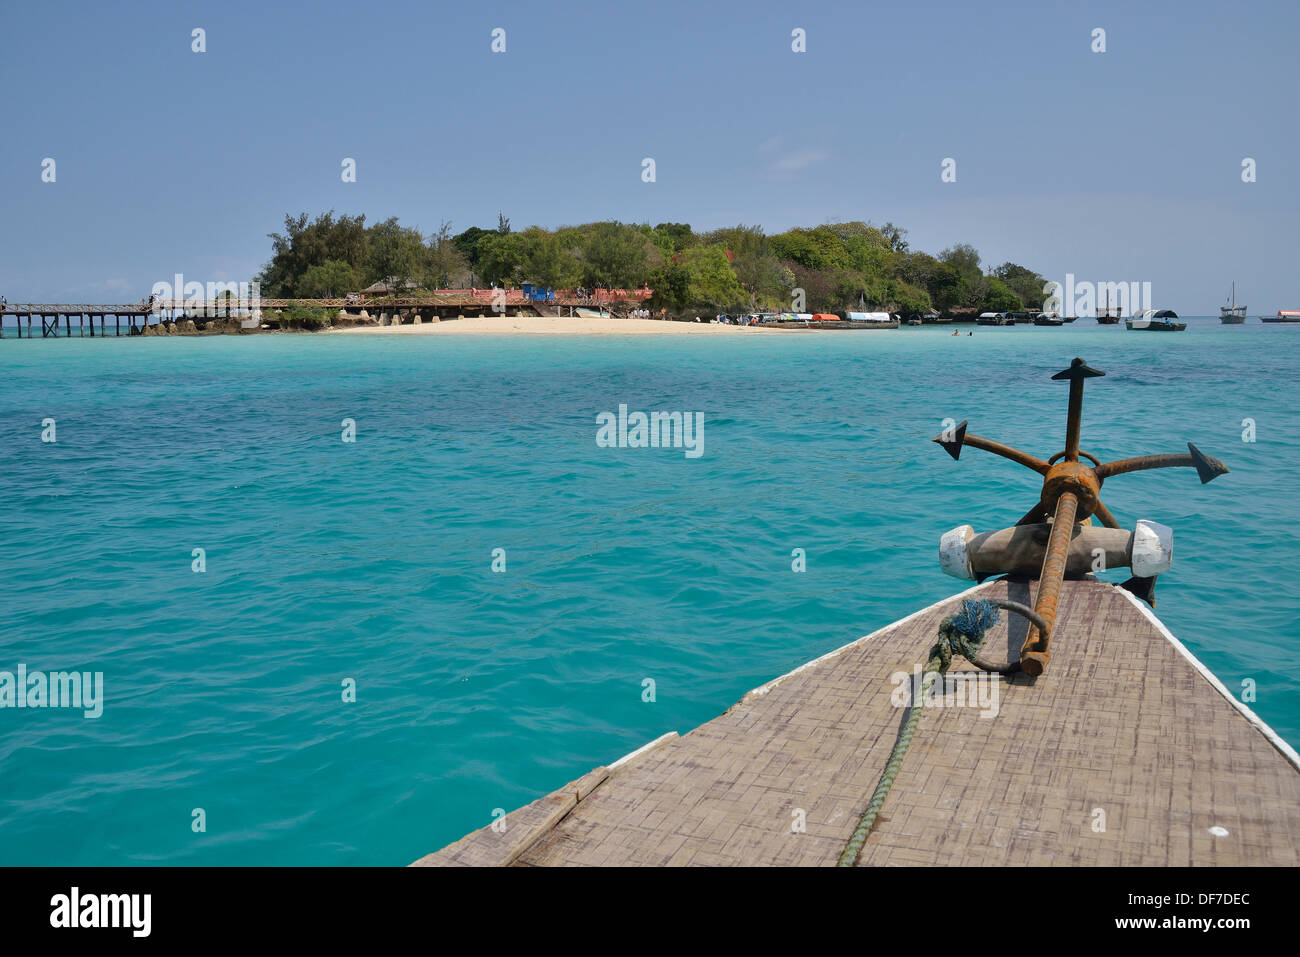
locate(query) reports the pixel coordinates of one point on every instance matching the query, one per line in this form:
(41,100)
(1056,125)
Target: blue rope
(959,634)
(975,617)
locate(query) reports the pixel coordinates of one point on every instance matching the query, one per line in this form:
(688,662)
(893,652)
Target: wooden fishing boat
(1101,741)
(1232,314)
(994,319)
(1108,315)
(1048,319)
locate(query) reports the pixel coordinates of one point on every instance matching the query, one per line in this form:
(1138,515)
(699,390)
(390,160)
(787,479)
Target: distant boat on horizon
(1283,315)
(1108,315)
(1232,314)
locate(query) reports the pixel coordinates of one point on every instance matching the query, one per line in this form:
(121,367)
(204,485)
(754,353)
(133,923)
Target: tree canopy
(826,268)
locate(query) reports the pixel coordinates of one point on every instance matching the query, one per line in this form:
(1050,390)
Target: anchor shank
(1035,654)
(1074,420)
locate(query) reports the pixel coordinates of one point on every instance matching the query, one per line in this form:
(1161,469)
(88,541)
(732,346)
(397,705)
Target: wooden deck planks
(1121,725)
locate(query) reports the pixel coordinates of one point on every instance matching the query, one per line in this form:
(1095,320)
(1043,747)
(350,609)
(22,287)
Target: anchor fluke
(952,441)
(1207,466)
(1144,588)
(1078,370)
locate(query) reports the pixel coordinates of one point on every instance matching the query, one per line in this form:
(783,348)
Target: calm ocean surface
(372,560)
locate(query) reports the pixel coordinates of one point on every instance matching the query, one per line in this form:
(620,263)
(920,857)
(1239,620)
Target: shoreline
(552,326)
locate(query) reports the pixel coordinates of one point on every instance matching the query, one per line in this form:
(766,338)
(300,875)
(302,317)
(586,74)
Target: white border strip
(764,689)
(1288,752)
(662,739)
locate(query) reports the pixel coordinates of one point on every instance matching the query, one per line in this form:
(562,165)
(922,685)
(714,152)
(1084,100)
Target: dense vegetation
(838,266)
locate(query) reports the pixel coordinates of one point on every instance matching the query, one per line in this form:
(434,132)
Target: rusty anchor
(1056,537)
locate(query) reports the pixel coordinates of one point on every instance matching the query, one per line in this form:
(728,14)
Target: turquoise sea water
(478,690)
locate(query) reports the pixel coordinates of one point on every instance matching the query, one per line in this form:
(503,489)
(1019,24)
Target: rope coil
(961,634)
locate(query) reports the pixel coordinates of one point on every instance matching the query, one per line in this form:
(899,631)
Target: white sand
(541,325)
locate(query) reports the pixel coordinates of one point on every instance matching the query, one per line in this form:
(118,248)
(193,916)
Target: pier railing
(479,300)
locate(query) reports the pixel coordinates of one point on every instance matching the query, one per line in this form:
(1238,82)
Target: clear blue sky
(1118,166)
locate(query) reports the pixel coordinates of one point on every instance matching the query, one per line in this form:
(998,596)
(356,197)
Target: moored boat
(829,321)
(1108,315)
(1155,320)
(1283,315)
(1048,319)
(1232,314)
(994,319)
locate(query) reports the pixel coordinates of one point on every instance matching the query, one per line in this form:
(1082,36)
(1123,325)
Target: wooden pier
(1127,751)
(58,320)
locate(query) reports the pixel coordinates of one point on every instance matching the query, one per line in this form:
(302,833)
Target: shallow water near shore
(372,560)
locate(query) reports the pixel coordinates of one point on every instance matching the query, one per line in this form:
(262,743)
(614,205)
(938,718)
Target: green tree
(614,255)
(752,260)
(909,300)
(332,279)
(897,237)
(467,242)
(944,286)
(397,254)
(817,248)
(501,258)
(306,243)
(447,265)
(711,279)
(999,298)
(915,267)
(546,260)
(965,259)
(671,238)
(1025,283)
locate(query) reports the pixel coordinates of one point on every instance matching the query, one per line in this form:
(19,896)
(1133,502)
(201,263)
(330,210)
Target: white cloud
(793,162)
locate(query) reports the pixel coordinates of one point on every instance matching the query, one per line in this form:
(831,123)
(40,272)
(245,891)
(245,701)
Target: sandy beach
(541,325)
